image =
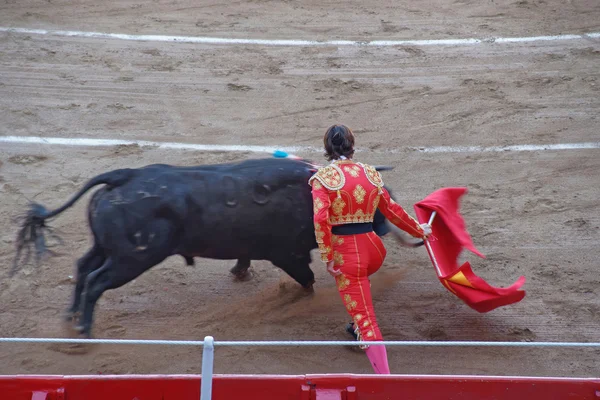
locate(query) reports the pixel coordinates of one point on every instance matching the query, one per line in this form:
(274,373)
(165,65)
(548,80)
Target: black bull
(252,210)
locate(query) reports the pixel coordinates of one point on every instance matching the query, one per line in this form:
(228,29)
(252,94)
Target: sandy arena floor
(533,213)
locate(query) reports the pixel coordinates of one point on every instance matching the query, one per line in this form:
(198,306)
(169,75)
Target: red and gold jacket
(346,192)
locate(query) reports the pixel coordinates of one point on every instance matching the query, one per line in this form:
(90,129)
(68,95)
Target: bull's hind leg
(113,274)
(90,296)
(91,261)
(299,270)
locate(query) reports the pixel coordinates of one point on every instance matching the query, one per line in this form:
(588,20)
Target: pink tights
(378,357)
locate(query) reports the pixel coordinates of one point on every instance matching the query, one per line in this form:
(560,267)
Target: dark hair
(338,141)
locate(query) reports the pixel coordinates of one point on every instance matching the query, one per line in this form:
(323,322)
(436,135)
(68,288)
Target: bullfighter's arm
(397,216)
(321,205)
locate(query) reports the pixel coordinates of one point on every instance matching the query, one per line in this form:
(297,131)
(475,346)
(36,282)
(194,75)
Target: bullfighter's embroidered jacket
(346,192)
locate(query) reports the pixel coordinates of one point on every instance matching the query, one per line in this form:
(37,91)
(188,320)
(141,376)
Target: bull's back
(227,211)
(248,209)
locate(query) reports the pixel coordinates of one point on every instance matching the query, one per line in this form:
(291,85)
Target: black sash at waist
(352,229)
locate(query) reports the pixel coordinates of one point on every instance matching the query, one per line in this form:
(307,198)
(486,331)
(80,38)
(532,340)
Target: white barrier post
(208,355)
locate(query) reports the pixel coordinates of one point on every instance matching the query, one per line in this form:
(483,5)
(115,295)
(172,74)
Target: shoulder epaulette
(330,176)
(372,175)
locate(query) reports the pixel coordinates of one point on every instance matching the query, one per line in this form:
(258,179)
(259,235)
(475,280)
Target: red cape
(447,241)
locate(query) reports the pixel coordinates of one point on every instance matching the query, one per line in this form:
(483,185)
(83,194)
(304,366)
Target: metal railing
(209,344)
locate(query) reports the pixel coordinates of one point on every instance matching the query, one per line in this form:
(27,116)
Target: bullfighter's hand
(426,230)
(332,271)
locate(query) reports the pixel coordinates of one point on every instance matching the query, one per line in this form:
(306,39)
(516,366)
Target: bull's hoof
(242,276)
(71,316)
(310,288)
(241,270)
(189,261)
(83,331)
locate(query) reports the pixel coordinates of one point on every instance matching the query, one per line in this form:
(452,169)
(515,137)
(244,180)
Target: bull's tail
(33,222)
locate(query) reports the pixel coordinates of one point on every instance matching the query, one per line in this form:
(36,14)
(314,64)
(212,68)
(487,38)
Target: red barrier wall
(300,387)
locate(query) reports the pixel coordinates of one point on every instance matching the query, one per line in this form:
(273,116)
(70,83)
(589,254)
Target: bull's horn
(384,167)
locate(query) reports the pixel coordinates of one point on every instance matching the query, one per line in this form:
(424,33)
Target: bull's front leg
(189,260)
(240,270)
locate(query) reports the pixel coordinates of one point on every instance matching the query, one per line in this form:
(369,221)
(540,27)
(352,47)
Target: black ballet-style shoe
(351,330)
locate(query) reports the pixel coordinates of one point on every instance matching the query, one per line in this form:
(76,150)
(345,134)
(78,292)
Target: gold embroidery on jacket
(319,233)
(354,171)
(324,250)
(336,240)
(317,205)
(357,217)
(376,203)
(338,205)
(317,185)
(359,214)
(330,176)
(359,194)
(338,259)
(373,175)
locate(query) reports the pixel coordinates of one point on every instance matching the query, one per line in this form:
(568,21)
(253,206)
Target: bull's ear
(384,168)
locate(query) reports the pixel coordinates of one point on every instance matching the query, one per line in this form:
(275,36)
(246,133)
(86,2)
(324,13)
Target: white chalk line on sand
(91,142)
(295,42)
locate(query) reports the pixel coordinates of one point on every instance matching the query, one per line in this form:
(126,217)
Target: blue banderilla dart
(280,154)
(283,154)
